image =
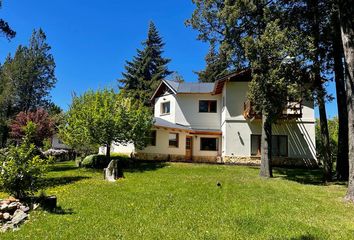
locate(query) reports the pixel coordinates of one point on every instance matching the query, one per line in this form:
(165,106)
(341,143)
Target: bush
(59,155)
(100,161)
(21,170)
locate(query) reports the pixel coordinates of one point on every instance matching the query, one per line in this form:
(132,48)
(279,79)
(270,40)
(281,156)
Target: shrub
(21,170)
(100,161)
(59,154)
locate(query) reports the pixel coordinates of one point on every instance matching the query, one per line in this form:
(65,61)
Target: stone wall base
(277,162)
(251,161)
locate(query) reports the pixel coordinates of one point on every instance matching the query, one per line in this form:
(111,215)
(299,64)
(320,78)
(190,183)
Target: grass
(182,201)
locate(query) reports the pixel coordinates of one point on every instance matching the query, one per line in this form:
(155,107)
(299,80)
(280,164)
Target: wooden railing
(293,110)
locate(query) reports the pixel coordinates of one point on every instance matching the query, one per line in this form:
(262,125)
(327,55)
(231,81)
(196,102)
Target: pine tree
(147,69)
(216,65)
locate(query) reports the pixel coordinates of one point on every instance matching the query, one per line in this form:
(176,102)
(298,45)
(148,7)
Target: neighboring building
(214,122)
(57,143)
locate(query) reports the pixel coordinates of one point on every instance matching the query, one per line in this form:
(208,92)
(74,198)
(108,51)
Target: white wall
(187,111)
(157,108)
(301,137)
(57,143)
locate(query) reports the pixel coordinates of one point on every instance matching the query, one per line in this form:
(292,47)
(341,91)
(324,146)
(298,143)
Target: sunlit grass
(182,201)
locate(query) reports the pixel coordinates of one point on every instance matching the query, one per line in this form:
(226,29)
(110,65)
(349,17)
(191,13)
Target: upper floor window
(207,106)
(165,108)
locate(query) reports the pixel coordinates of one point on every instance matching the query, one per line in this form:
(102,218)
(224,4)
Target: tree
(272,85)
(5,27)
(104,117)
(21,168)
(346,13)
(342,165)
(44,126)
(147,69)
(216,65)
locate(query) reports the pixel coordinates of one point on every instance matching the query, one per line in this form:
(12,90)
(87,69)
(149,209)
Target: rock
(111,171)
(35,206)
(18,217)
(5,202)
(6,216)
(12,205)
(6,227)
(24,208)
(12,199)
(3,207)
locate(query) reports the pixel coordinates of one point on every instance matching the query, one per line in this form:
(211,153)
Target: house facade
(214,122)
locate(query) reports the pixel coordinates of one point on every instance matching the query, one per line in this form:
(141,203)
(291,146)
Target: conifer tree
(147,69)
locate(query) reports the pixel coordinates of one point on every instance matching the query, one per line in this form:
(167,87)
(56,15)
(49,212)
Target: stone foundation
(250,161)
(277,162)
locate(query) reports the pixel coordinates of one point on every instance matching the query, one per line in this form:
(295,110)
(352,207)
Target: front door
(189,146)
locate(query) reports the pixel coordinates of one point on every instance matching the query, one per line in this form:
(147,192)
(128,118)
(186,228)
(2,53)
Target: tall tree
(147,68)
(346,15)
(33,73)
(216,65)
(342,165)
(5,27)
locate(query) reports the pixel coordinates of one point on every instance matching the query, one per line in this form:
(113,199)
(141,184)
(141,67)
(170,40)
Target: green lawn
(182,201)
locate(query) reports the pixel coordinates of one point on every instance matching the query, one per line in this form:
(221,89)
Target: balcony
(292,111)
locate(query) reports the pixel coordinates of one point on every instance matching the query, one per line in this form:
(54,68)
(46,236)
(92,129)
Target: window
(209,144)
(165,108)
(173,140)
(206,106)
(279,145)
(255,145)
(152,138)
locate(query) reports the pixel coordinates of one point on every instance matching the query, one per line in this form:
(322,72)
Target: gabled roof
(216,87)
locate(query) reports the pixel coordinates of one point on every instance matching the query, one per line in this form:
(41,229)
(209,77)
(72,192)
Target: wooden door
(189,147)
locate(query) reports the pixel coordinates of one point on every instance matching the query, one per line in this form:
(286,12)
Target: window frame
(162,108)
(216,144)
(152,138)
(259,150)
(177,140)
(209,105)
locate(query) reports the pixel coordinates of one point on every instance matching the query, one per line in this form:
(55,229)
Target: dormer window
(165,108)
(207,106)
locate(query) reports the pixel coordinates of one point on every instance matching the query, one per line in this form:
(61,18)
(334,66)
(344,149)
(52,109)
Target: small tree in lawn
(276,79)
(104,117)
(21,168)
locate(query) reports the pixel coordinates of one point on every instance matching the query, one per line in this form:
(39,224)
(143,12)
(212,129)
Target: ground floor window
(279,145)
(209,144)
(173,139)
(152,138)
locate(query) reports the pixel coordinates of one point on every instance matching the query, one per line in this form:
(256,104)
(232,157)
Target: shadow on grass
(142,166)
(61,168)
(304,237)
(303,176)
(58,181)
(60,211)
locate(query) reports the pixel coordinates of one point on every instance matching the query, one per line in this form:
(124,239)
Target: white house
(214,122)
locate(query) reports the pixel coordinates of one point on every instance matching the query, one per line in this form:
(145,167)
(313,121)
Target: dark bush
(99,161)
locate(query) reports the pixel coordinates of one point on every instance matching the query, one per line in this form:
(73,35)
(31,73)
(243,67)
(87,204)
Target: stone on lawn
(3,207)
(111,171)
(18,217)
(12,205)
(24,208)
(6,216)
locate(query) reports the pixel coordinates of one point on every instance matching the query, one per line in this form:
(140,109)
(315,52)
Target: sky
(91,40)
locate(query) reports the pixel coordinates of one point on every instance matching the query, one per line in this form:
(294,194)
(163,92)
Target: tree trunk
(342,166)
(266,152)
(346,13)
(108,152)
(315,29)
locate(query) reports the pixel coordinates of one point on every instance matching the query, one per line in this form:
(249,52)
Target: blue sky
(92,39)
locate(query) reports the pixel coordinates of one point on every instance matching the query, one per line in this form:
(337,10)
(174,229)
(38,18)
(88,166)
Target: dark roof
(190,87)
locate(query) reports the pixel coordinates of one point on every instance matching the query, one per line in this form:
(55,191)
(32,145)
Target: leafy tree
(104,117)
(5,27)
(333,127)
(44,125)
(21,168)
(147,69)
(272,85)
